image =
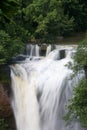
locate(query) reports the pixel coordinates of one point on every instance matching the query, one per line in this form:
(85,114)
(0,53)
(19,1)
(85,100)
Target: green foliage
(80,57)
(3,125)
(15,30)
(77,9)
(4,42)
(9,46)
(81,54)
(46,20)
(77,109)
(7,10)
(38,21)
(12,33)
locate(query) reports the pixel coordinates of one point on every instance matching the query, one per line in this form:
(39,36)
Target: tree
(46,20)
(9,46)
(7,10)
(12,33)
(77,9)
(80,57)
(77,109)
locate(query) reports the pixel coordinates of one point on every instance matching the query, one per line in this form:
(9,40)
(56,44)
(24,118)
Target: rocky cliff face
(6,113)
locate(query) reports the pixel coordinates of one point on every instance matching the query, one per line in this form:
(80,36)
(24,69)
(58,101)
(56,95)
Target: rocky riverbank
(6,113)
(7,121)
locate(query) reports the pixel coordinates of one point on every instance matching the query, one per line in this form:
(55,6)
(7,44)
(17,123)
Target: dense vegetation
(38,21)
(77,109)
(23,21)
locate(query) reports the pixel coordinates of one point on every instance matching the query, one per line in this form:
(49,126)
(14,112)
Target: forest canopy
(38,21)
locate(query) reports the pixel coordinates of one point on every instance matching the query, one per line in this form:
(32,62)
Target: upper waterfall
(42,88)
(44,49)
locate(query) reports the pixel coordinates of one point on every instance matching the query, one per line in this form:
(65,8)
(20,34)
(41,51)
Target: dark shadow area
(62,54)
(6,113)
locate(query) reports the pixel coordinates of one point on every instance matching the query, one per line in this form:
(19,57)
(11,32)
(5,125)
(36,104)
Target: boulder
(43,49)
(17,59)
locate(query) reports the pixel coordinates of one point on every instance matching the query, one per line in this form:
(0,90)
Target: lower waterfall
(41,89)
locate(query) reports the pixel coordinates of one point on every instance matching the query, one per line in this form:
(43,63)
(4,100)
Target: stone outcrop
(6,112)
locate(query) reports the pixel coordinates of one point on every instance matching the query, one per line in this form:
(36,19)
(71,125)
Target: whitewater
(41,89)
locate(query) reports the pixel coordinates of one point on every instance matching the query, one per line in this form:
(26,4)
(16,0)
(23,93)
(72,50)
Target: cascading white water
(41,90)
(48,49)
(34,50)
(24,100)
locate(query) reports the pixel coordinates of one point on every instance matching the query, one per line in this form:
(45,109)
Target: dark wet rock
(62,54)
(18,59)
(43,46)
(43,49)
(6,112)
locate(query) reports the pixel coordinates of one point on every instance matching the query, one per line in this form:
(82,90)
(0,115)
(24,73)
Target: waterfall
(48,49)
(24,100)
(34,50)
(41,90)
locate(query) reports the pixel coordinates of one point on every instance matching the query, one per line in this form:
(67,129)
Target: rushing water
(41,90)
